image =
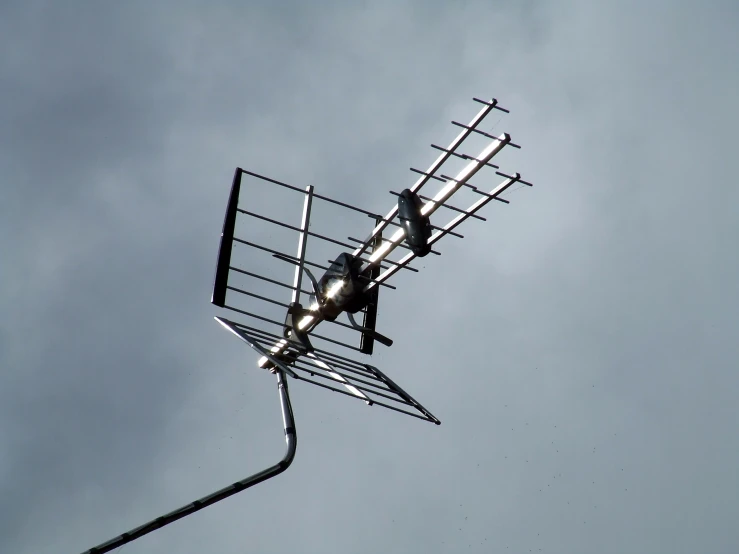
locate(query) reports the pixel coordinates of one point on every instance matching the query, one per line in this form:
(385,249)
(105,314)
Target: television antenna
(350,284)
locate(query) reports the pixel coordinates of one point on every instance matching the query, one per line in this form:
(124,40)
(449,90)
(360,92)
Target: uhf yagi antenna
(307,329)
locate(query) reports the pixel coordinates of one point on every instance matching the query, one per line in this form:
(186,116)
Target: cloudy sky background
(580,347)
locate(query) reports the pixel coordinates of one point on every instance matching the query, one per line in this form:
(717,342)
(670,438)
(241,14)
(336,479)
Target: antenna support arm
(291,438)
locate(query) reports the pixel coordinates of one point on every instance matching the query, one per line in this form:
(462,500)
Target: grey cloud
(587,349)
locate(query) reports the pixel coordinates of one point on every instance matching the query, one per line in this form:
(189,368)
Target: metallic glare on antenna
(349,285)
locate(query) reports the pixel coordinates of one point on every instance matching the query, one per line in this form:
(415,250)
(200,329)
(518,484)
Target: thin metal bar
(404,246)
(343,359)
(312,264)
(281,304)
(361,372)
(465,157)
(478,191)
(384,405)
(264,340)
(345,345)
(345,205)
(393,223)
(493,103)
(255,316)
(267,334)
(337,357)
(453,234)
(304,224)
(291,441)
(453,208)
(246,242)
(518,178)
(255,345)
(259,296)
(423,417)
(276,182)
(365,260)
(360,388)
(466,184)
(429,175)
(358,365)
(312,370)
(278,338)
(291,259)
(432,226)
(498,198)
(342,324)
(407,397)
(293,228)
(315,195)
(337,376)
(478,131)
(263,278)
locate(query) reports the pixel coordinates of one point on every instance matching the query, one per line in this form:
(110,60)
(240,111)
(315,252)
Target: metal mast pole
(291,438)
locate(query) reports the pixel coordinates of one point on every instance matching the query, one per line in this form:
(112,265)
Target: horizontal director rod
(455,209)
(483,133)
(271,251)
(478,191)
(429,175)
(448,206)
(413,269)
(445,178)
(493,103)
(432,226)
(405,247)
(465,157)
(516,177)
(263,278)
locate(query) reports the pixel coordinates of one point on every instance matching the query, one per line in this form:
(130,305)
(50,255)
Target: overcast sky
(580,347)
